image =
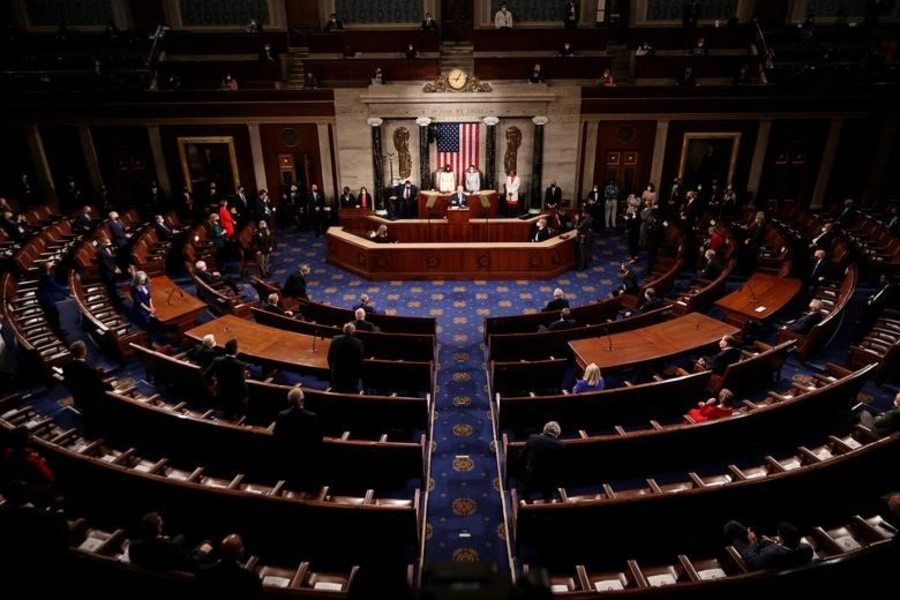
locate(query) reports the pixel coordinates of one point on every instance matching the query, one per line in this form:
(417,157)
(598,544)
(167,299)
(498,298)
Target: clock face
(457,79)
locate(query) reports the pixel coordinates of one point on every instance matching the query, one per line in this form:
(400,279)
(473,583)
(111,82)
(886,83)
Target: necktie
(363,197)
(406,194)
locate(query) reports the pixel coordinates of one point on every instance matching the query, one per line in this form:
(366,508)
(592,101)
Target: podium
(458,216)
(434,205)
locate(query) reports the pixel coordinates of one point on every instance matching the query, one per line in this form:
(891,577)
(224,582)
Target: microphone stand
(315,335)
(609,338)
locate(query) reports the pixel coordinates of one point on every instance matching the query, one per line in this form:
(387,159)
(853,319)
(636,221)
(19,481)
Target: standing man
(240,206)
(316,208)
(84,382)
(231,385)
(108,269)
(409,203)
(458,199)
(611,199)
(298,433)
(345,360)
(542,457)
(553,196)
(295,286)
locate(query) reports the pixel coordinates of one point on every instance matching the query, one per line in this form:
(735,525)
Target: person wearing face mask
(503,19)
(593,205)
(228,83)
(566,50)
(407,199)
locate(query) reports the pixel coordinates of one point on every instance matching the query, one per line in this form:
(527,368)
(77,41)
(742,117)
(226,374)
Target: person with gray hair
(884,424)
(365,303)
(298,434)
(345,360)
(542,458)
(807,321)
(274,307)
(205,352)
(361,324)
(559,301)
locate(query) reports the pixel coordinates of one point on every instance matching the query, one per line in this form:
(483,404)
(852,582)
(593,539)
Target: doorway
(457,18)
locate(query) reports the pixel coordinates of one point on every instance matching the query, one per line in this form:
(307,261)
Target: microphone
(697,327)
(315,335)
(609,338)
(752,295)
(172,293)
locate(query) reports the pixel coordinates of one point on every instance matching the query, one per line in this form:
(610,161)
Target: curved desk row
(445,256)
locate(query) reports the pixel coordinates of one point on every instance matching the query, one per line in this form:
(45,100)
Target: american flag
(457,145)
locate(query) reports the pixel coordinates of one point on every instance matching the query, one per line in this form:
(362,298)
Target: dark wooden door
(456,20)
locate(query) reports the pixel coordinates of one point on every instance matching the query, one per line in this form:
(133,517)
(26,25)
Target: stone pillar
(259,162)
(759,158)
(41,166)
(537,164)
(330,174)
(828,156)
(377,162)
(490,150)
(880,162)
(588,162)
(659,154)
(425,182)
(159,160)
(90,156)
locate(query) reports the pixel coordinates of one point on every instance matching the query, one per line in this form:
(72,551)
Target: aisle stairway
(457,55)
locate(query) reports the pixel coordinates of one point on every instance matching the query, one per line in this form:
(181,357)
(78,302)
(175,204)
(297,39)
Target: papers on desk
(608,586)
(274,581)
(559,588)
(847,542)
(328,586)
(713,573)
(660,580)
(91,544)
(760,309)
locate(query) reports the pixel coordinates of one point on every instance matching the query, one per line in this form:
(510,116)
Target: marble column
(90,156)
(490,150)
(537,164)
(159,159)
(759,158)
(425,182)
(588,162)
(377,162)
(41,165)
(330,173)
(880,162)
(259,161)
(828,156)
(659,153)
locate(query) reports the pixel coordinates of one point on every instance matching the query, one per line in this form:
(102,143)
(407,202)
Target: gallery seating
(106,326)
(881,346)
(332,315)
(220,299)
(372,41)
(526,376)
(600,311)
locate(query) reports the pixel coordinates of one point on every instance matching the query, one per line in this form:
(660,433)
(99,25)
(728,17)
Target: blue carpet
(465,515)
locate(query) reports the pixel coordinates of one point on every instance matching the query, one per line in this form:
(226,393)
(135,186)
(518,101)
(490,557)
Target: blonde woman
(714,408)
(592,381)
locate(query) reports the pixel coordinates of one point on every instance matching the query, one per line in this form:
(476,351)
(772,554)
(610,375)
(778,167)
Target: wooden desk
(353,219)
(441,200)
(761,297)
(268,345)
(655,343)
(175,308)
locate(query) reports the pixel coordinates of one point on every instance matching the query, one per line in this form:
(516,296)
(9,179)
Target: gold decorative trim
(441,85)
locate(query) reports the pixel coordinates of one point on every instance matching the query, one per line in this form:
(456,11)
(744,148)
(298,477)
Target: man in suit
(316,206)
(214,279)
(366,304)
(163,231)
(541,233)
(824,239)
(84,221)
(240,206)
(848,215)
(158,552)
(407,195)
(231,385)
(584,230)
(361,324)
(821,270)
(345,360)
(121,237)
(429,24)
(537,74)
(629,281)
(542,457)
(33,539)
(559,301)
(885,295)
(274,307)
(226,577)
(298,434)
(784,551)
(85,383)
(651,302)
(552,196)
(295,285)
(884,424)
(805,323)
(458,199)
(156,201)
(729,353)
(205,352)
(262,208)
(570,15)
(334,24)
(267,56)
(108,269)
(713,268)
(565,321)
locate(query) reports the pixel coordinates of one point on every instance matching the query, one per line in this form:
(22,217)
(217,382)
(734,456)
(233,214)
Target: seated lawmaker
(810,319)
(537,74)
(153,550)
(715,408)
(651,302)
(884,424)
(559,301)
(541,232)
(729,353)
(713,268)
(274,307)
(565,321)
(380,236)
(591,382)
(214,279)
(361,324)
(762,552)
(205,351)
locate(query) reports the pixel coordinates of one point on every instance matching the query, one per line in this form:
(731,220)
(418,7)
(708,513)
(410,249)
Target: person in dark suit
(713,268)
(361,324)
(824,239)
(552,196)
(559,301)
(334,24)
(366,304)
(584,238)
(226,578)
(84,221)
(345,360)
(629,281)
(33,539)
(458,199)
(205,352)
(156,200)
(267,56)
(241,210)
(885,295)
(687,79)
(84,382)
(821,270)
(848,215)
(298,433)
(117,228)
(348,200)
(262,246)
(163,231)
(315,203)
(537,74)
(729,353)
(785,551)
(262,209)
(884,424)
(570,15)
(108,269)
(214,279)
(295,285)
(542,457)
(49,291)
(805,323)
(230,376)
(651,302)
(408,197)
(429,24)
(541,233)
(565,321)
(153,550)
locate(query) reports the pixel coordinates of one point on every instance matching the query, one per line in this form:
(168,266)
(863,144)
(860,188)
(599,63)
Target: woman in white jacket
(512,193)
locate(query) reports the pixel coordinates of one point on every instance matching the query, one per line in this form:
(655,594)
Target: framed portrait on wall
(708,156)
(205,160)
